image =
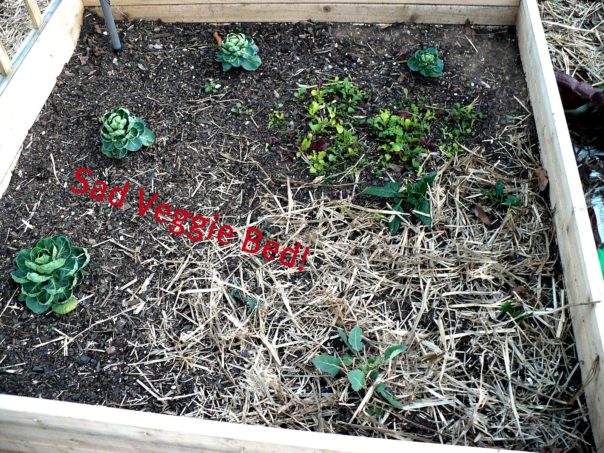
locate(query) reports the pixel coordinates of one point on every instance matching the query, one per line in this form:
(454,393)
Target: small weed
(405,136)
(360,369)
(276,117)
(516,312)
(332,138)
(238,296)
(499,197)
(414,197)
(238,109)
(212,87)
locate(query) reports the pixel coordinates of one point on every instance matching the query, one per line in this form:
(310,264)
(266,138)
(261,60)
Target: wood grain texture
(34,79)
(582,276)
(37,425)
(34,12)
(489,3)
(5,65)
(324,12)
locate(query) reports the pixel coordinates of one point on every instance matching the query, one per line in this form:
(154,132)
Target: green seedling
(361,370)
(516,312)
(276,117)
(414,197)
(499,197)
(212,87)
(236,294)
(403,136)
(238,109)
(332,139)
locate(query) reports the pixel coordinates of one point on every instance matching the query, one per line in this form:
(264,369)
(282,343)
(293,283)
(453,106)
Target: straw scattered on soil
(575,34)
(15,24)
(471,376)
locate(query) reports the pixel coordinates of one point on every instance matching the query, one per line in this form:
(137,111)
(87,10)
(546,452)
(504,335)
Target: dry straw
(575,34)
(15,24)
(471,375)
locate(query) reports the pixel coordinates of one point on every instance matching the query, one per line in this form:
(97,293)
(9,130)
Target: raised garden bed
(207,330)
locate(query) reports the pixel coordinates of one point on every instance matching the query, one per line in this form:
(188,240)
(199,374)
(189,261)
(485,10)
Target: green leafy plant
(414,196)
(236,294)
(276,117)
(405,136)
(426,62)
(332,138)
(498,196)
(238,109)
(361,370)
(212,87)
(516,312)
(48,274)
(238,50)
(122,132)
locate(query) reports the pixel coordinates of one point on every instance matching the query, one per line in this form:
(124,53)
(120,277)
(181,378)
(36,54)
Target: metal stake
(115,39)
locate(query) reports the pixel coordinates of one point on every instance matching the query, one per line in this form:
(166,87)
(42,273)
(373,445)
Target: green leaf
(390,190)
(36,306)
(356,379)
(499,189)
(147,137)
(347,360)
(375,411)
(252,63)
(412,63)
(393,351)
(65,307)
(34,277)
(395,224)
(511,200)
(385,393)
(355,339)
(423,206)
(135,144)
(328,364)
(343,336)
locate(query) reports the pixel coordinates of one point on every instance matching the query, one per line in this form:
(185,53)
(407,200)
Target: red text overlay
(195,227)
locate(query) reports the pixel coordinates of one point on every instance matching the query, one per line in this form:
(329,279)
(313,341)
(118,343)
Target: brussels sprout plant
(123,132)
(427,63)
(238,50)
(48,274)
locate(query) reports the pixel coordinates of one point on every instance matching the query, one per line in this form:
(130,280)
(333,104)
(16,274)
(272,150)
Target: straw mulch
(471,375)
(575,34)
(15,24)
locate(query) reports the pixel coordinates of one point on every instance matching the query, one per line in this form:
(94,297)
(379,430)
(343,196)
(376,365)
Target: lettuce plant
(48,274)
(238,50)
(122,132)
(427,63)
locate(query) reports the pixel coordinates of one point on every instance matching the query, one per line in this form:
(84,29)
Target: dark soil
(207,159)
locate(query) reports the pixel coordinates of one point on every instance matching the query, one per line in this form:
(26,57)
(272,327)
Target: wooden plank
(325,12)
(5,64)
(185,3)
(583,279)
(34,13)
(34,79)
(37,425)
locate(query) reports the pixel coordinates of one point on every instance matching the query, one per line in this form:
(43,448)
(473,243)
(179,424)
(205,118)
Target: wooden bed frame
(29,424)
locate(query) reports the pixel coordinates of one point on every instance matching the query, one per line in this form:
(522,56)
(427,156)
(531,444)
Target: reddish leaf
(484,218)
